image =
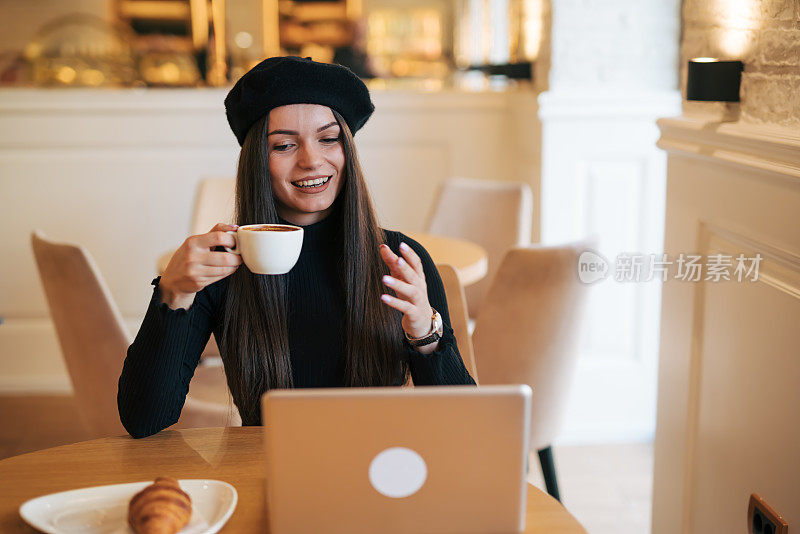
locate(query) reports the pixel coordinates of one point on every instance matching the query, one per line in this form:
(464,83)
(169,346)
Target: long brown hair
(255,341)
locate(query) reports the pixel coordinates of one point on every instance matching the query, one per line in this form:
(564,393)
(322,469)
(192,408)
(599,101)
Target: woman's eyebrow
(292,132)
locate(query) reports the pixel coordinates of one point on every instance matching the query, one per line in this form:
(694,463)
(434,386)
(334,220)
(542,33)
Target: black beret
(279,81)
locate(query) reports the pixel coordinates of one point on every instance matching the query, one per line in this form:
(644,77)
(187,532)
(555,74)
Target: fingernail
(235,225)
(404,246)
(385,298)
(387,279)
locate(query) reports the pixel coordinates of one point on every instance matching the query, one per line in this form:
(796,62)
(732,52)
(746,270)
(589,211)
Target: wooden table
(232,454)
(468,258)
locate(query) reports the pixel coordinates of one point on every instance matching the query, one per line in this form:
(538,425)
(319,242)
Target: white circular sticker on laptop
(397,472)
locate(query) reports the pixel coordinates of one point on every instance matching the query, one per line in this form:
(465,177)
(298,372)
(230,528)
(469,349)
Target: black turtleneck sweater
(161,361)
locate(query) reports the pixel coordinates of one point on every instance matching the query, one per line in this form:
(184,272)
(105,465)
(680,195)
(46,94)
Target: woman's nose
(310,156)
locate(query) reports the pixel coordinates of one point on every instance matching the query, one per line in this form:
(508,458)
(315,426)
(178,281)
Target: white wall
(117,171)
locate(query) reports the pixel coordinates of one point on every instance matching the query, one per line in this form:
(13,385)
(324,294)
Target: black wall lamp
(712,80)
(516,71)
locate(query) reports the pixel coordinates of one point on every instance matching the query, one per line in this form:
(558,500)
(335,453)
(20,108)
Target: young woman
(362,306)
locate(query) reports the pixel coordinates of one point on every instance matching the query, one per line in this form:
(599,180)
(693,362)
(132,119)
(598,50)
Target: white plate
(104,509)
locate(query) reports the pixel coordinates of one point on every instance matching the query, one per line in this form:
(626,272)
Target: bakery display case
(427,44)
(81,51)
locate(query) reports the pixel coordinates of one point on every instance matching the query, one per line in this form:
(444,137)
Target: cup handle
(235,249)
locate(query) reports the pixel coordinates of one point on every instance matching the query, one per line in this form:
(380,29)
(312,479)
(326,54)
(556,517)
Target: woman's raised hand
(408,282)
(196,265)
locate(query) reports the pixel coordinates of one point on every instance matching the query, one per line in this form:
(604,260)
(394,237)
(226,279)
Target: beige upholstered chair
(496,215)
(94,341)
(527,332)
(214,204)
(457,306)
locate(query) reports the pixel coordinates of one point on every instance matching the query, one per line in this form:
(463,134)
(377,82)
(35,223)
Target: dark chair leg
(549,471)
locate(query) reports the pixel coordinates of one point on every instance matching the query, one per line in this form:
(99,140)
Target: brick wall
(765,35)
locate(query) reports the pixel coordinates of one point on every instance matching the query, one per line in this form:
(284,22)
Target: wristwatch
(437,329)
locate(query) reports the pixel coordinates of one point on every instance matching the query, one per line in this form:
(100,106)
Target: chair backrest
(214,204)
(528,328)
(459,320)
(496,215)
(90,330)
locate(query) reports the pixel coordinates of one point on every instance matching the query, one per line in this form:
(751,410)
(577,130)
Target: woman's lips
(315,189)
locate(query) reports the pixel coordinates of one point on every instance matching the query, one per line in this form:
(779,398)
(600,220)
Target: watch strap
(431,337)
(434,336)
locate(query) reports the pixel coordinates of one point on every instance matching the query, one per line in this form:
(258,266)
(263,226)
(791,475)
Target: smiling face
(306,161)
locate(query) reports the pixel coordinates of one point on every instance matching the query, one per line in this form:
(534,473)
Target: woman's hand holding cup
(196,265)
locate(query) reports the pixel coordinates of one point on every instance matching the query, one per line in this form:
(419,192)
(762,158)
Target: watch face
(439,324)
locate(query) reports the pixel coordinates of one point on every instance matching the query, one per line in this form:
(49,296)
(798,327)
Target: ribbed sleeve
(160,363)
(444,366)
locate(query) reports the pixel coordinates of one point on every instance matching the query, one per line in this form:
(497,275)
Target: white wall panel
(729,363)
(603,176)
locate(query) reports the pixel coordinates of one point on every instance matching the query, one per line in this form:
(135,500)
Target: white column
(614,71)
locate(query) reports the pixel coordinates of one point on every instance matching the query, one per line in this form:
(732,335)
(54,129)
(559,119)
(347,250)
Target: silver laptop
(382,460)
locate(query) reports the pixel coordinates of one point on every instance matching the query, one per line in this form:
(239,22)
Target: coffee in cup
(268,248)
(271,228)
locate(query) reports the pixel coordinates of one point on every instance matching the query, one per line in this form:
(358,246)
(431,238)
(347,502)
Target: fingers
(215,238)
(214,273)
(390,259)
(399,268)
(200,255)
(221,259)
(222,227)
(403,290)
(413,259)
(200,276)
(398,304)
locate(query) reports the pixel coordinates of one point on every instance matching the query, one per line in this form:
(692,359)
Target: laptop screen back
(428,459)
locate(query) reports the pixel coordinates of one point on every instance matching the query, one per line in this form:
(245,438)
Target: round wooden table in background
(232,454)
(468,258)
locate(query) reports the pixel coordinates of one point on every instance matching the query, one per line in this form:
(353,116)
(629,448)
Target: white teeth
(312,183)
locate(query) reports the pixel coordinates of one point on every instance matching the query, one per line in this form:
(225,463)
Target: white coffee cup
(266,251)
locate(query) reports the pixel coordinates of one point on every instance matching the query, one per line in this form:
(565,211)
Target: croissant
(160,508)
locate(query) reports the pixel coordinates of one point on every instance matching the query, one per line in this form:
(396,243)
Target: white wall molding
(780,267)
(765,148)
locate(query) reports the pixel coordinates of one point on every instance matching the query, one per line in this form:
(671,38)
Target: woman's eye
(331,139)
(279,147)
